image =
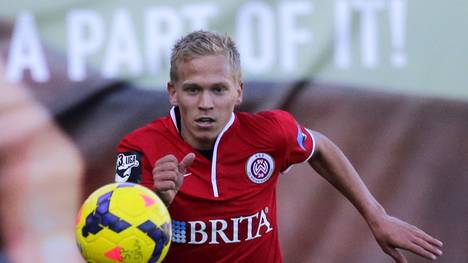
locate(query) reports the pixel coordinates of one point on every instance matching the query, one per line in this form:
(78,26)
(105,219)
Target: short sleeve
(299,141)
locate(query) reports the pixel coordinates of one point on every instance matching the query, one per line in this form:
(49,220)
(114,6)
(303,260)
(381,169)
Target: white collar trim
(174,118)
(215,155)
(214,161)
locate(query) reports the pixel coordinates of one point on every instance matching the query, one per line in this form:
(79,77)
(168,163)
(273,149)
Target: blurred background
(385,79)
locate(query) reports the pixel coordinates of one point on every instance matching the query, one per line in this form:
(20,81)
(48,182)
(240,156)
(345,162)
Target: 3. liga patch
(128,168)
(260,167)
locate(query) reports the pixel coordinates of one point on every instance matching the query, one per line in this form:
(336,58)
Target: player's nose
(205,101)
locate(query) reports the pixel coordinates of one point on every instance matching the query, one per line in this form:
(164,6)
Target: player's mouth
(205,122)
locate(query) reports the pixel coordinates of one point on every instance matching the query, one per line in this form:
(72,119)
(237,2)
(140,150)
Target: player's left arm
(390,232)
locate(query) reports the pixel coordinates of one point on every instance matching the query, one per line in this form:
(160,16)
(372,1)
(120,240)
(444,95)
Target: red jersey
(225,210)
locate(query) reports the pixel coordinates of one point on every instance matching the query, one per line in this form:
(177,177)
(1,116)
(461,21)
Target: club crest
(260,167)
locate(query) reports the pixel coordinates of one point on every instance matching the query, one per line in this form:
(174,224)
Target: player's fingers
(428,247)
(423,235)
(413,247)
(183,165)
(166,196)
(165,176)
(166,166)
(164,185)
(186,162)
(166,158)
(395,254)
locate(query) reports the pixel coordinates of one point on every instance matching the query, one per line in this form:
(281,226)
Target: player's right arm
(165,177)
(168,175)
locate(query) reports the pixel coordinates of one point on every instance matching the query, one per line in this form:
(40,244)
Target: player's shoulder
(264,124)
(272,117)
(154,130)
(262,128)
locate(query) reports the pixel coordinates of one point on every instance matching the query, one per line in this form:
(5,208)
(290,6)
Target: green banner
(397,45)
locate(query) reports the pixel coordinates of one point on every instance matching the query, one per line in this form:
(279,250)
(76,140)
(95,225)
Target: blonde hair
(204,43)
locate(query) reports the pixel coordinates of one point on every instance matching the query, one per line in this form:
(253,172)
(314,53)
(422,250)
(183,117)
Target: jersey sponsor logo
(128,167)
(222,231)
(301,137)
(260,167)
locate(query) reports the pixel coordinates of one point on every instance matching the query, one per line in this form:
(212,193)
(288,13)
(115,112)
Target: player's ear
(240,93)
(172,93)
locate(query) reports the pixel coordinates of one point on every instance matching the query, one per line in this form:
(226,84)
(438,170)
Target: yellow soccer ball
(123,222)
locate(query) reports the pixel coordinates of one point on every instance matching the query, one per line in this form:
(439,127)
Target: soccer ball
(123,222)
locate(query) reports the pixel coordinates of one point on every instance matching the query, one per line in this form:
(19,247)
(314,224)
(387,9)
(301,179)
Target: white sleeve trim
(310,155)
(313,144)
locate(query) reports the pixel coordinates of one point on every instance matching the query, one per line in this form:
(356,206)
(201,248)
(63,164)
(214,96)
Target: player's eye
(192,90)
(218,89)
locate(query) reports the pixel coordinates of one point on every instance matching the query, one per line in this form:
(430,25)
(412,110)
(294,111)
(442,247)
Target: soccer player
(217,169)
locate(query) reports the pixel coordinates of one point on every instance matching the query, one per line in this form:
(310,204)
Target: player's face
(207,90)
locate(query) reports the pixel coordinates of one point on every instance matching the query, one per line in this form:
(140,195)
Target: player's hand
(168,175)
(392,233)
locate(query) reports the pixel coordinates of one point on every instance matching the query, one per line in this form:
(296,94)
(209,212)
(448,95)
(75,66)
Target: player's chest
(233,173)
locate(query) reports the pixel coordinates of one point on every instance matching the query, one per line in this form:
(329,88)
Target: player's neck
(200,145)
(203,145)
(208,154)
